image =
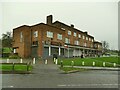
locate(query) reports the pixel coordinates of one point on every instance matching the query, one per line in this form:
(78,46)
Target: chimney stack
(49,20)
(86,33)
(72,25)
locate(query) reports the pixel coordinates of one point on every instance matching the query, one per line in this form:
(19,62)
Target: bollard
(33,60)
(61,63)
(7,60)
(46,61)
(83,63)
(72,63)
(21,61)
(114,64)
(13,67)
(103,64)
(93,63)
(56,61)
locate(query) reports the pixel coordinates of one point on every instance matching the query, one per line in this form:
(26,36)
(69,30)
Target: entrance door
(34,52)
(46,52)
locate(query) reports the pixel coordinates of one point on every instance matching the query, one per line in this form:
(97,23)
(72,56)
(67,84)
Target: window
(76,42)
(83,37)
(59,36)
(99,46)
(86,38)
(92,40)
(14,50)
(89,39)
(49,34)
(21,37)
(67,40)
(79,35)
(35,34)
(75,34)
(69,32)
(85,44)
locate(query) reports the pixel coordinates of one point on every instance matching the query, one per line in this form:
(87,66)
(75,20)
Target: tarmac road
(49,76)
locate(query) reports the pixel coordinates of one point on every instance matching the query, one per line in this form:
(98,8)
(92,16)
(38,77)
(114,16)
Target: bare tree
(105,46)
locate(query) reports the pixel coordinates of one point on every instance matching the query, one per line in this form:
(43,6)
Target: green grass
(108,59)
(89,61)
(4,67)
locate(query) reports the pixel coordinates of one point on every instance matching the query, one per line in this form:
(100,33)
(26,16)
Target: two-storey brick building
(44,40)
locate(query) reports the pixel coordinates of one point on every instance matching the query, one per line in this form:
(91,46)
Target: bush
(14,57)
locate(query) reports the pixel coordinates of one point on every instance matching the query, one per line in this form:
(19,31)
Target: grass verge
(16,67)
(109,61)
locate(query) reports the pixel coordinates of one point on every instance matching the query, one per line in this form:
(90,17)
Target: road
(49,76)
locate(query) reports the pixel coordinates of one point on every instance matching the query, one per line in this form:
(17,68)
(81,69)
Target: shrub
(14,57)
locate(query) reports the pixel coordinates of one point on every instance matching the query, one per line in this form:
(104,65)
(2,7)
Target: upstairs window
(75,34)
(83,37)
(49,34)
(86,38)
(85,44)
(67,40)
(69,32)
(59,36)
(76,42)
(35,33)
(21,37)
(79,35)
(92,40)
(89,39)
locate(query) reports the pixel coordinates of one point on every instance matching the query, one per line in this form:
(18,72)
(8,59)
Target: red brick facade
(29,40)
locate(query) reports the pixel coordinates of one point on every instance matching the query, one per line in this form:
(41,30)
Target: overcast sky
(99,19)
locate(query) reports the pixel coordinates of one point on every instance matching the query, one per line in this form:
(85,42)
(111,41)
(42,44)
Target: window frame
(50,34)
(59,36)
(69,32)
(75,34)
(21,36)
(79,35)
(67,40)
(35,33)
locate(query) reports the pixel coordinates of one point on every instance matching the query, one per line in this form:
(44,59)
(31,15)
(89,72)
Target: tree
(7,40)
(105,46)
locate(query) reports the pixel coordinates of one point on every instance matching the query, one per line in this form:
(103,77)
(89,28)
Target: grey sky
(99,19)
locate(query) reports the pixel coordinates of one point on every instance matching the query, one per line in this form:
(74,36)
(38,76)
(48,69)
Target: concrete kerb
(96,68)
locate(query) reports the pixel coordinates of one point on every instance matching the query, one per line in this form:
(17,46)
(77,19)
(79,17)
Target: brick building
(44,40)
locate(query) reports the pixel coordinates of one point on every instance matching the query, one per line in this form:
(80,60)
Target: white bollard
(72,63)
(56,61)
(7,60)
(83,63)
(93,63)
(114,64)
(21,61)
(103,64)
(46,61)
(33,60)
